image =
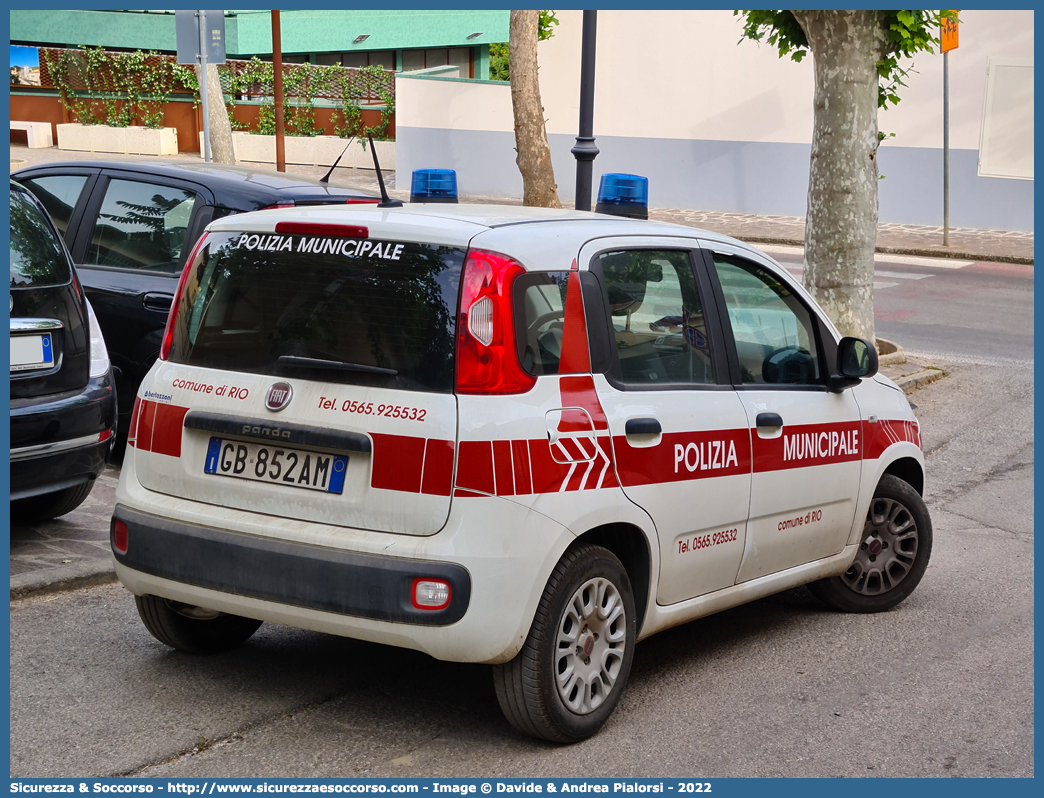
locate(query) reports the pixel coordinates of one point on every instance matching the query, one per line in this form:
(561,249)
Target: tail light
(168,333)
(119,536)
(487,361)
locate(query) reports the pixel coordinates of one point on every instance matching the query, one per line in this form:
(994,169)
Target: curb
(925,252)
(889,353)
(919,379)
(59,580)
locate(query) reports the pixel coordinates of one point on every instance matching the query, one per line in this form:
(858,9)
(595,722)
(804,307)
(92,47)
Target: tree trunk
(220,129)
(841,222)
(534,156)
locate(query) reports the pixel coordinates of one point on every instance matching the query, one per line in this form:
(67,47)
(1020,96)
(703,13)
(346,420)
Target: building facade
(721,124)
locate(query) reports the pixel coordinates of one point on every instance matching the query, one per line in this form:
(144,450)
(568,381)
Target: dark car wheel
(893,553)
(50,505)
(193,630)
(568,677)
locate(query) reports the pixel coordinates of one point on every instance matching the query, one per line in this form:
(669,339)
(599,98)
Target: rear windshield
(347,310)
(37,258)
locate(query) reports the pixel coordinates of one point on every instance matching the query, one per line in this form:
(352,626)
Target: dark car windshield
(348,310)
(37,257)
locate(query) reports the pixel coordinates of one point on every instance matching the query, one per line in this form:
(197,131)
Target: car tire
(568,677)
(173,624)
(51,505)
(893,553)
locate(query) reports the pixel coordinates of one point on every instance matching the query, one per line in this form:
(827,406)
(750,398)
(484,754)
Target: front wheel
(894,550)
(191,629)
(572,669)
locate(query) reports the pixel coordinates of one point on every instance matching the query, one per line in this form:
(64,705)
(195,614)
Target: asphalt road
(957,311)
(940,686)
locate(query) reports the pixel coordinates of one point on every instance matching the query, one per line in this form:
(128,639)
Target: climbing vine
(120,89)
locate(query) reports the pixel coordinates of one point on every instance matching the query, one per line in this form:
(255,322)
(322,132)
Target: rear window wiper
(317,363)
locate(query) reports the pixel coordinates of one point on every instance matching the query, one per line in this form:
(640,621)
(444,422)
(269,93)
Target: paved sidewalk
(965,243)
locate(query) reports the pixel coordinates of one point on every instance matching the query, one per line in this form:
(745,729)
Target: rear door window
(141,226)
(346,310)
(658,320)
(59,194)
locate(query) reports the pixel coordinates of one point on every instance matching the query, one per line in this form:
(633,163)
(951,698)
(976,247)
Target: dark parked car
(130,226)
(63,403)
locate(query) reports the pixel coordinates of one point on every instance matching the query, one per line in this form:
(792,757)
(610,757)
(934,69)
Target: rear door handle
(157,301)
(642,426)
(769,420)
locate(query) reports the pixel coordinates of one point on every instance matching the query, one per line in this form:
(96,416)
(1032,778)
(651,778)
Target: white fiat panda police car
(509,435)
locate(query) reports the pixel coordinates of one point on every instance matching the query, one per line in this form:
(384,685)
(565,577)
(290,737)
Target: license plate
(31,352)
(276,464)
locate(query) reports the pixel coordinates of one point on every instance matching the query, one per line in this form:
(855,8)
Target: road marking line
(905,260)
(912,260)
(902,275)
(879,285)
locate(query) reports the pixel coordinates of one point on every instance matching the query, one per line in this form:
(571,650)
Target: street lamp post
(585,149)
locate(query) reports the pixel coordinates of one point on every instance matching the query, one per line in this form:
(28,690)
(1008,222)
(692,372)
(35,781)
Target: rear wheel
(191,629)
(51,505)
(572,669)
(893,553)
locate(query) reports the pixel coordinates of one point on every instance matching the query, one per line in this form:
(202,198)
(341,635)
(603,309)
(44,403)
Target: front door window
(141,226)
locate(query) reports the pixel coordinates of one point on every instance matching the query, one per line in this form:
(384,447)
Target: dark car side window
(59,194)
(37,258)
(141,226)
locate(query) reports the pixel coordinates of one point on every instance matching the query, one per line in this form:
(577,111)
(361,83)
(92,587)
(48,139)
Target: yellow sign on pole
(948,31)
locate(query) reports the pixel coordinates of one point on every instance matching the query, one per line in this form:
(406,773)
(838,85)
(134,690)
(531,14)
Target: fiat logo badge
(279,396)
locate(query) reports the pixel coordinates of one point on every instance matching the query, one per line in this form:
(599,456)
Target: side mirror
(856,358)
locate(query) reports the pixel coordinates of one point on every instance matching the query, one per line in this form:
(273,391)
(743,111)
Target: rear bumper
(55,439)
(313,577)
(497,555)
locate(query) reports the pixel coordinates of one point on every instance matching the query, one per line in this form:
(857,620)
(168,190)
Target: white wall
(722,124)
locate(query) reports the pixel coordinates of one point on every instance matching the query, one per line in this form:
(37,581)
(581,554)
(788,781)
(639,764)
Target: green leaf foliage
(498,53)
(908,32)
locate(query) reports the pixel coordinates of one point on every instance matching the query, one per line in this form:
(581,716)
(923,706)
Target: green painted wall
(250,32)
(130,29)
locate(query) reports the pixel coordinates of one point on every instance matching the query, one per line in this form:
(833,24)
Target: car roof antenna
(326,178)
(386,201)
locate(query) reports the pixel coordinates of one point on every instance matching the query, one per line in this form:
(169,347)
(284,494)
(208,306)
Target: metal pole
(277,71)
(202,15)
(946,149)
(585,149)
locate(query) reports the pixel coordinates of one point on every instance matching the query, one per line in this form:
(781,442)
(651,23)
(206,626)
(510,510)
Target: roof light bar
(624,195)
(434,185)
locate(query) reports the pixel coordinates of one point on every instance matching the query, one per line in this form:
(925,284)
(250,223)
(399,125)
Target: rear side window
(347,310)
(539,310)
(37,257)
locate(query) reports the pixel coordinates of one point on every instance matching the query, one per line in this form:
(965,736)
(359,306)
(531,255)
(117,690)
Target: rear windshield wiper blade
(316,363)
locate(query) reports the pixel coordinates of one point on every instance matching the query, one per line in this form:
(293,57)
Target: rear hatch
(310,376)
(49,333)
